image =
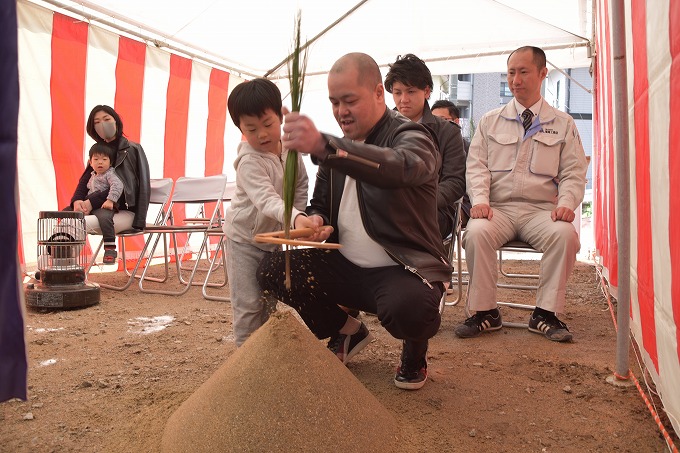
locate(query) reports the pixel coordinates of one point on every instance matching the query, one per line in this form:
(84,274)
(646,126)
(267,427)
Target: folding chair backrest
(160,190)
(160,194)
(201,190)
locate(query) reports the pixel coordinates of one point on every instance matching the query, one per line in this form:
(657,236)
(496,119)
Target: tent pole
(622,187)
(568,76)
(320,34)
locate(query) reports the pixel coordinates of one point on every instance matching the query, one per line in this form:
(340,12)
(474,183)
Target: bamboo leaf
(297,67)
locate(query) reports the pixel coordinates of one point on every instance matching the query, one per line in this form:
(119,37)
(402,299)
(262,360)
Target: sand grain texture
(281,391)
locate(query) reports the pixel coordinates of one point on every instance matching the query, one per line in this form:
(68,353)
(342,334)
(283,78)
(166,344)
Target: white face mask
(106,129)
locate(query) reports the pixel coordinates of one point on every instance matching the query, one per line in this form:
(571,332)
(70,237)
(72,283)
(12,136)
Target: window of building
(505,88)
(464,77)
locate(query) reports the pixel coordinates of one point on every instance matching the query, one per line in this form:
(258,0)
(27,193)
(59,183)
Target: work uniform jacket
(396,171)
(546,165)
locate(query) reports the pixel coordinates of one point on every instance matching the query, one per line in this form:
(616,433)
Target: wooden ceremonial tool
(279,237)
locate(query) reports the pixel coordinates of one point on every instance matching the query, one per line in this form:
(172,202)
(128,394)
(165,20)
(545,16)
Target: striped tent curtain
(174,106)
(653,89)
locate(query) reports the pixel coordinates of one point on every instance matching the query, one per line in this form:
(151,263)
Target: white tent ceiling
(252,38)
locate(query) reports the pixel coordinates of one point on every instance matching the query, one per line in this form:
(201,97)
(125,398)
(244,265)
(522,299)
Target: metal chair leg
(222,251)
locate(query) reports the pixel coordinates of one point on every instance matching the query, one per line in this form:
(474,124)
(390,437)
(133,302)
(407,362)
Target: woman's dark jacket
(133,169)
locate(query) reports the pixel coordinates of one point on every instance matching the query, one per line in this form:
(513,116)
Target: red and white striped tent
(167,68)
(652,50)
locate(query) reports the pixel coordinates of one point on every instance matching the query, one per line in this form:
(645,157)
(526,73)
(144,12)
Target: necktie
(527,119)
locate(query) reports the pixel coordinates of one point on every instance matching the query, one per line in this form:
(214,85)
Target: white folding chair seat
(158,199)
(188,192)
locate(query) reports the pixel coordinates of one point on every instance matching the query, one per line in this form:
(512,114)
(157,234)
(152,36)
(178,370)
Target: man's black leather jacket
(132,168)
(396,169)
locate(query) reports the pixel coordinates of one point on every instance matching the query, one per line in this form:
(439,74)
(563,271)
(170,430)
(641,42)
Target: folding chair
(160,193)
(515,246)
(221,251)
(451,241)
(188,191)
(512,246)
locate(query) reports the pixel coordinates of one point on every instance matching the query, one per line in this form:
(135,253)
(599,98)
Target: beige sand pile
(281,391)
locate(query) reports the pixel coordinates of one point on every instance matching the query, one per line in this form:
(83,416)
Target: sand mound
(281,391)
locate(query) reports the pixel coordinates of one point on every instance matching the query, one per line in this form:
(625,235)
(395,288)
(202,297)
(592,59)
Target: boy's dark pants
(105,218)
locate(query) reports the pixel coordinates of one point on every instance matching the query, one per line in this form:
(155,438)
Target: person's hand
(300,133)
(87,207)
(481,211)
(315,222)
(108,204)
(563,214)
(82,206)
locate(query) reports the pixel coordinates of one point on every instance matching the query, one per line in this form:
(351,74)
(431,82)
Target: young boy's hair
(253,98)
(103,150)
(409,70)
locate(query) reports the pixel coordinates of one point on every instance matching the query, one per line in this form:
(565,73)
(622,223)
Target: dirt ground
(107,378)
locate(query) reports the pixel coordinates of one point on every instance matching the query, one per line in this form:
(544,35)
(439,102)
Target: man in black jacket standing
(410,82)
(377,187)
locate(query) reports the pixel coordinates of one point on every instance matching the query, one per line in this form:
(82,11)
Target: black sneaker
(347,346)
(412,371)
(482,321)
(550,326)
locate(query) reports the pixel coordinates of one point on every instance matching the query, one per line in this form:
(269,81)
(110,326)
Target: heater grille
(62,260)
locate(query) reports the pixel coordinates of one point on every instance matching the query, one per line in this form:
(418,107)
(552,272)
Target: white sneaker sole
(359,346)
(410,385)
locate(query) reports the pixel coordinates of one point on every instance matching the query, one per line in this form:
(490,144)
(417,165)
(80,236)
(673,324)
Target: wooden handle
(296,233)
(278,237)
(296,242)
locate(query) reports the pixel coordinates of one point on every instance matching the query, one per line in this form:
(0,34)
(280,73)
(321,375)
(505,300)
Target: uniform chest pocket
(502,151)
(545,154)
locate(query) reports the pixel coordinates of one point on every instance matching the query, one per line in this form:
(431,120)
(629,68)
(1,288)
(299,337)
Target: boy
(104,179)
(257,205)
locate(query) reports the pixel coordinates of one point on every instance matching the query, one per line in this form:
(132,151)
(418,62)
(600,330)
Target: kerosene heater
(60,279)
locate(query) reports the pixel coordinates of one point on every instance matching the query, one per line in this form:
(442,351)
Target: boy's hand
(314,222)
(108,204)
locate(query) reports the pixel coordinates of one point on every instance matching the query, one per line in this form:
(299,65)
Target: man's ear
(544,73)
(428,92)
(380,91)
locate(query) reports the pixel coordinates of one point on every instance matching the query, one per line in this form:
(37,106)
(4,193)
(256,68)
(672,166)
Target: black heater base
(80,295)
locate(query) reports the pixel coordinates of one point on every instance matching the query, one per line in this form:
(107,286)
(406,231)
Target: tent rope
(650,406)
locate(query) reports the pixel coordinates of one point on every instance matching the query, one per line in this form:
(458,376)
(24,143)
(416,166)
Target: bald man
(526,174)
(377,188)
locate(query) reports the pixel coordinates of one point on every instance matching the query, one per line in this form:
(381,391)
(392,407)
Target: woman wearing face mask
(105,126)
